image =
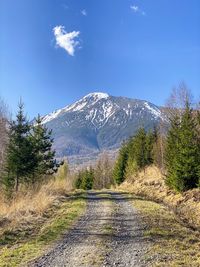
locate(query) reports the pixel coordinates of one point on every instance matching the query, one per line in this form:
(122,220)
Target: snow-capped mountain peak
(88,100)
(99,121)
(96,95)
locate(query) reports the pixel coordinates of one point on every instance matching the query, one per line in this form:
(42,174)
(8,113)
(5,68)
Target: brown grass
(173,244)
(150,184)
(34,219)
(29,205)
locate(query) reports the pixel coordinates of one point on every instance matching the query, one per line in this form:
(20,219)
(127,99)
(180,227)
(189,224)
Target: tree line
(97,176)
(176,150)
(29,157)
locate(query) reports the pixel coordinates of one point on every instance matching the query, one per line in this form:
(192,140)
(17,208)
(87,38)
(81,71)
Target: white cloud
(84,12)
(136,9)
(66,39)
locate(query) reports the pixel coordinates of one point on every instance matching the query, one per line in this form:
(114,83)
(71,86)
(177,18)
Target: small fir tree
(42,142)
(119,171)
(21,160)
(87,179)
(187,160)
(182,152)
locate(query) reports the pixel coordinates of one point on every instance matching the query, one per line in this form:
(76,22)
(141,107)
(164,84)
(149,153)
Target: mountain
(99,122)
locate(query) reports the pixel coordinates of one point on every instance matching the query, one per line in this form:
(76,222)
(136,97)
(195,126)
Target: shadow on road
(104,195)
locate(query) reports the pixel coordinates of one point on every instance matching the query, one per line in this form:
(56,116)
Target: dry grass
(33,202)
(150,184)
(174,244)
(29,206)
(23,245)
(36,218)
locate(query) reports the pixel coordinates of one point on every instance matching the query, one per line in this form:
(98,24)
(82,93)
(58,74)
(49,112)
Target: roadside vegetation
(35,190)
(174,244)
(175,148)
(163,166)
(35,234)
(99,176)
(40,198)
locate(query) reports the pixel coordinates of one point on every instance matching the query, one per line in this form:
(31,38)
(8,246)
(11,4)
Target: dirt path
(110,233)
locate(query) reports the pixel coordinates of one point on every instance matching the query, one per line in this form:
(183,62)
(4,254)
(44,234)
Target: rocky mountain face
(99,122)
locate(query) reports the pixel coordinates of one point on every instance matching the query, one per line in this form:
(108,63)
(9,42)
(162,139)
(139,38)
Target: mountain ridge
(99,121)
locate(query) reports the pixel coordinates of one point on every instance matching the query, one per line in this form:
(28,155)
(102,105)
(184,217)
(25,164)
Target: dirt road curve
(110,233)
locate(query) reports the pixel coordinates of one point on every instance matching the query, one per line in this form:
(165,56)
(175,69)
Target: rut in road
(110,233)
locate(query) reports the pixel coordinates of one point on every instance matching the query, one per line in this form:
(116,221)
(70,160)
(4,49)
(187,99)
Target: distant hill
(99,122)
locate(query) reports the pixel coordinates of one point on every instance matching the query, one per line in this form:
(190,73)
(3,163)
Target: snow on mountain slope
(99,121)
(77,106)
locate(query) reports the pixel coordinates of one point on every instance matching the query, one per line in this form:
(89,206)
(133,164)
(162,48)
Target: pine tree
(119,171)
(140,148)
(42,142)
(182,160)
(171,151)
(78,181)
(20,160)
(151,139)
(187,160)
(87,179)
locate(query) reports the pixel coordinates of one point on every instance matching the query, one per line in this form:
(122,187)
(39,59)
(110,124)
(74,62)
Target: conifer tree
(42,142)
(140,148)
(20,160)
(87,179)
(172,150)
(182,152)
(151,139)
(78,181)
(187,160)
(120,165)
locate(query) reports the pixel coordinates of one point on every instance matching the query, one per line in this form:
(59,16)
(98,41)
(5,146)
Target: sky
(53,52)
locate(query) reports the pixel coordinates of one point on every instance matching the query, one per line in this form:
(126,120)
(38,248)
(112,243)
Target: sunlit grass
(174,244)
(35,245)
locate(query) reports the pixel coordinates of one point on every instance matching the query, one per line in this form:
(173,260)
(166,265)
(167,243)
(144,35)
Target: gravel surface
(110,233)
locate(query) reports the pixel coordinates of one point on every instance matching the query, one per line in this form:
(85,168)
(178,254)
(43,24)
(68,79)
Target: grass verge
(20,246)
(174,244)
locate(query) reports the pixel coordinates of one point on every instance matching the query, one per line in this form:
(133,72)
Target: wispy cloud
(84,12)
(134,8)
(66,40)
(137,9)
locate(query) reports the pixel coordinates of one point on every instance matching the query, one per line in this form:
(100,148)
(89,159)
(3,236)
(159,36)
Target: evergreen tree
(120,165)
(42,142)
(78,181)
(21,159)
(182,153)
(87,179)
(172,150)
(140,148)
(187,160)
(151,139)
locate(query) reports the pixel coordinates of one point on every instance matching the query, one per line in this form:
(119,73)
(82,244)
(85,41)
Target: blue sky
(52,52)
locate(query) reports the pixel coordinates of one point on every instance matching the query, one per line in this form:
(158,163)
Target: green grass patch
(52,230)
(173,244)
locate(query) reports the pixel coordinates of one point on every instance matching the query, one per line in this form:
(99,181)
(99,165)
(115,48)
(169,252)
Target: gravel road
(110,233)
